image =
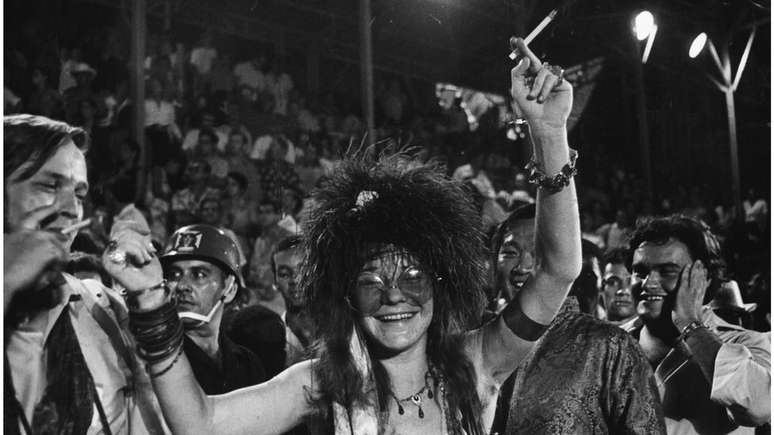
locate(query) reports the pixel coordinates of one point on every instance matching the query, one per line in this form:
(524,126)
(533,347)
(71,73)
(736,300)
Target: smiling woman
(382,235)
(393,276)
(372,283)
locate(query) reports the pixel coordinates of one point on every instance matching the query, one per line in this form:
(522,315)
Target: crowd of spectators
(231,140)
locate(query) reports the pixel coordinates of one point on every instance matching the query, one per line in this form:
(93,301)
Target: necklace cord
(416,398)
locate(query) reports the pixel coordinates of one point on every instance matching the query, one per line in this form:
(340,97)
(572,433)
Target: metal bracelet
(691,327)
(157,333)
(553,184)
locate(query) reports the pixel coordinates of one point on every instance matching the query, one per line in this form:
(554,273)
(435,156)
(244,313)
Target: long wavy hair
(415,208)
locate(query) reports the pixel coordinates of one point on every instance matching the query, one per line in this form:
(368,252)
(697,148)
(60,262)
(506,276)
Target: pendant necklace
(416,398)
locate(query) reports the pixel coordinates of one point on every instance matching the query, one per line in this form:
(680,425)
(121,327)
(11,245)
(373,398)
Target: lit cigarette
(76,227)
(533,34)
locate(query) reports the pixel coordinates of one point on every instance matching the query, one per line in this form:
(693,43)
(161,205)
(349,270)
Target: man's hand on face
(131,258)
(33,258)
(690,295)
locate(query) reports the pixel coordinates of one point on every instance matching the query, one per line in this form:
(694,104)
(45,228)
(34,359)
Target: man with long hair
(69,365)
(393,276)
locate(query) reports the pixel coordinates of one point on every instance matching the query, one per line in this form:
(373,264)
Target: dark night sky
(466,43)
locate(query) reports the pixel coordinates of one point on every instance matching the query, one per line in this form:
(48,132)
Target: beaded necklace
(416,398)
(448,421)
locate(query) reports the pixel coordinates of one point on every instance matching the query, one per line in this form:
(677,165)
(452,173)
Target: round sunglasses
(370,289)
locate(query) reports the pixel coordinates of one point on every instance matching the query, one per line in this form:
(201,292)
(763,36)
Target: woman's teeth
(653,297)
(396,317)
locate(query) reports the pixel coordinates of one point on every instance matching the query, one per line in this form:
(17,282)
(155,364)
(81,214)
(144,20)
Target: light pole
(728,86)
(644,28)
(366,70)
(139,33)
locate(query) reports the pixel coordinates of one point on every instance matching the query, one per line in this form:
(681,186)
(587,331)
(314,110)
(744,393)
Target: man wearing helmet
(201,267)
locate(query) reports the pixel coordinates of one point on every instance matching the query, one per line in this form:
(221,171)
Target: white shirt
(248,75)
(755,211)
(261,146)
(159,113)
(125,392)
(66,80)
(202,57)
(191,139)
(307,121)
(225,131)
(741,379)
(484,186)
(280,88)
(11,99)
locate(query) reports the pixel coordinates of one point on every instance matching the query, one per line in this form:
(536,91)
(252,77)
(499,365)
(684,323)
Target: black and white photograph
(387,217)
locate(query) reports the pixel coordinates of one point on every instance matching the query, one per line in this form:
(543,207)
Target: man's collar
(713,321)
(71,289)
(622,323)
(632,324)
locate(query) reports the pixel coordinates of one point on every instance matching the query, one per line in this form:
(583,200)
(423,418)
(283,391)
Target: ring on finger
(117,257)
(555,70)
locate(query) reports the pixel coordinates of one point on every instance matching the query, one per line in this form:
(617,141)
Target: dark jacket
(236,368)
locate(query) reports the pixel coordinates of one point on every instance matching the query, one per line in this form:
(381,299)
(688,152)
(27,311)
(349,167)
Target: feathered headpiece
(391,198)
(371,200)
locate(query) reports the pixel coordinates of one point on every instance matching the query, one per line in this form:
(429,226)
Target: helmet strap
(204,320)
(200,319)
(231,287)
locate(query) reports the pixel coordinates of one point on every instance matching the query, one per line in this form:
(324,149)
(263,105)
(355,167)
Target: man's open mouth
(652,297)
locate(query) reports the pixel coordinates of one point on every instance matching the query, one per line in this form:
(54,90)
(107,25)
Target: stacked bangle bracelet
(553,184)
(165,369)
(159,335)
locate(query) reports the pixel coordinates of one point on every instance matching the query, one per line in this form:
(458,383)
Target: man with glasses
(201,267)
(617,288)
